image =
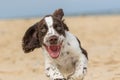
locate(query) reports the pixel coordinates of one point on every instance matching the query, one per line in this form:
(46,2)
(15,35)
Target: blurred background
(35,8)
(95,22)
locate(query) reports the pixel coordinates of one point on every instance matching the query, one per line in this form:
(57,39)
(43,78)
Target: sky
(33,8)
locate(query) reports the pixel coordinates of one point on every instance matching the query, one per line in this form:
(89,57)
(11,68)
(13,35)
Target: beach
(99,35)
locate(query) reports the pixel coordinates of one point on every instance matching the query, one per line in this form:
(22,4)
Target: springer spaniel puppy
(65,59)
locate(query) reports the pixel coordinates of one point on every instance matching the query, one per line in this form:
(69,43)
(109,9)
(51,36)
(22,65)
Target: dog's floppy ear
(65,26)
(30,39)
(59,13)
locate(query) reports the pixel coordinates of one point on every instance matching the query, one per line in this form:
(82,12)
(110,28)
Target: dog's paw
(75,78)
(70,78)
(60,79)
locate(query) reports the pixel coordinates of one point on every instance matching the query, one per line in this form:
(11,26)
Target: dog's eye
(57,27)
(43,30)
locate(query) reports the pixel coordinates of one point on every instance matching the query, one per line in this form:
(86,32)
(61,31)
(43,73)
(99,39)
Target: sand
(99,35)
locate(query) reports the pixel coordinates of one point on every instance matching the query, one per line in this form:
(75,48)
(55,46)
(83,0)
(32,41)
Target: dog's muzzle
(54,46)
(53,40)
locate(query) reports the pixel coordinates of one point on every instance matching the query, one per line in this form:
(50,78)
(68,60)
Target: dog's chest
(66,60)
(69,54)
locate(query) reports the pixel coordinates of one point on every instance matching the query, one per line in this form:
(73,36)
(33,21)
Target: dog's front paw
(70,78)
(75,78)
(60,79)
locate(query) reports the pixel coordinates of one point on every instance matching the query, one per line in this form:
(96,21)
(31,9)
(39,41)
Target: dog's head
(49,32)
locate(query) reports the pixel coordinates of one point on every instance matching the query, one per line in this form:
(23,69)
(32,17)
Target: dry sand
(99,35)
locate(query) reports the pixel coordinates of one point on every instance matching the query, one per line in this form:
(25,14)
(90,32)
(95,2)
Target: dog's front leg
(53,72)
(80,69)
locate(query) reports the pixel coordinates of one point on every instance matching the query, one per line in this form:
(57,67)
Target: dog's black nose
(53,40)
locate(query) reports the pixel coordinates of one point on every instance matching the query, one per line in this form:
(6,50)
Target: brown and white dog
(65,59)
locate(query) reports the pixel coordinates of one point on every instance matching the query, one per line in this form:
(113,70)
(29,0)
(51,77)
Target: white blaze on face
(51,31)
(49,22)
(53,50)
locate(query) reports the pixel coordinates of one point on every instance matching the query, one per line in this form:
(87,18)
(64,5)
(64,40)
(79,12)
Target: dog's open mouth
(54,50)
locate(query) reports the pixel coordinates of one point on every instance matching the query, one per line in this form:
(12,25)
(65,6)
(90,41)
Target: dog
(65,59)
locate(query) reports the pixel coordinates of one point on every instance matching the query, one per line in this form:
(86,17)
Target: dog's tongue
(54,48)
(54,51)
